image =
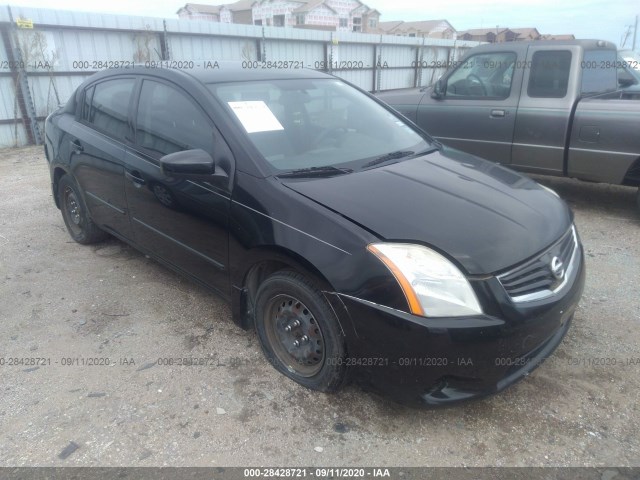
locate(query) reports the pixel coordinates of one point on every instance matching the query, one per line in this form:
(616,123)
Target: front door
(182,221)
(478,111)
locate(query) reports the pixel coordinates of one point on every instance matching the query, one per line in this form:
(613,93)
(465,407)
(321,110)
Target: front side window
(485,75)
(549,77)
(168,121)
(599,71)
(304,123)
(109,107)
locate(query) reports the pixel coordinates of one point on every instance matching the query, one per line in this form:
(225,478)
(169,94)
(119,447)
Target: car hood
(481,214)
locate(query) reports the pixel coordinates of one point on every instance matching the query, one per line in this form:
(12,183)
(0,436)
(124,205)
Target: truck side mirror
(625,79)
(438,90)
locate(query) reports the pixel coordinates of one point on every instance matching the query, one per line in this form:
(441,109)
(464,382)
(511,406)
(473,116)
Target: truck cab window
(485,75)
(549,76)
(599,73)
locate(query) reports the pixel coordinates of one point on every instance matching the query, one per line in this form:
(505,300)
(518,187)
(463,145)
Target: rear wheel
(299,332)
(75,213)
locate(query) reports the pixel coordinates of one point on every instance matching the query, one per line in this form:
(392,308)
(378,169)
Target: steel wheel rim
(163,195)
(287,321)
(73,210)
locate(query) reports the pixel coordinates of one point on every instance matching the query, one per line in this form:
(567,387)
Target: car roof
(524,45)
(211,72)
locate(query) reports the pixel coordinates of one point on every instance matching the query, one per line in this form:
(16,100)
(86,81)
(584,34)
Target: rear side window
(106,106)
(599,72)
(549,76)
(168,121)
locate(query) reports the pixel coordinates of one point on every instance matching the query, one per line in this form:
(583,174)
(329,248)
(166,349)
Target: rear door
(478,111)
(97,151)
(183,221)
(549,92)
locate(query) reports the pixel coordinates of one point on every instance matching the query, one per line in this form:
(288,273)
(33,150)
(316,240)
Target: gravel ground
(61,300)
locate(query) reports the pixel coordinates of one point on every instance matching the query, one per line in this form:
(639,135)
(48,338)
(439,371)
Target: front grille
(535,279)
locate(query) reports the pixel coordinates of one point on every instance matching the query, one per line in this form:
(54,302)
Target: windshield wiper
(327,171)
(389,156)
(399,154)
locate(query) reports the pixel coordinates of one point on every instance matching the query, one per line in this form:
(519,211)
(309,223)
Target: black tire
(317,363)
(75,213)
(638,198)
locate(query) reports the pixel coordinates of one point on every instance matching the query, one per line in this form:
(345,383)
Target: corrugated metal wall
(64,48)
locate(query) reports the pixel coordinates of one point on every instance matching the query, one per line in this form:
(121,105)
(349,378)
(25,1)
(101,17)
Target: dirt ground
(66,303)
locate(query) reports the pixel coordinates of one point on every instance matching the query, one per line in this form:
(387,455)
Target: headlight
(434,286)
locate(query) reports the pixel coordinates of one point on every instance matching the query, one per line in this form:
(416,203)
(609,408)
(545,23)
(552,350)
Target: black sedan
(358,247)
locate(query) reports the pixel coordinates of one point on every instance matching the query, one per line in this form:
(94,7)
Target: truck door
(549,91)
(477,109)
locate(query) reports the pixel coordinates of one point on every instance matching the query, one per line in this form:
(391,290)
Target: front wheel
(75,213)
(299,332)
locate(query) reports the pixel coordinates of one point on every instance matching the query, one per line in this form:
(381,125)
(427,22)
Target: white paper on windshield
(255,116)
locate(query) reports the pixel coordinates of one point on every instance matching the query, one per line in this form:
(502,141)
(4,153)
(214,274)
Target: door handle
(134,177)
(77,146)
(499,113)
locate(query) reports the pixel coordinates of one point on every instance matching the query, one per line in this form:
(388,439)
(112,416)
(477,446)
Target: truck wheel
(299,333)
(75,213)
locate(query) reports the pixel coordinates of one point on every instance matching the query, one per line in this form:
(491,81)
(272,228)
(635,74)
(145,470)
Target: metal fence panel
(308,53)
(396,78)
(64,48)
(49,92)
(201,48)
(8,105)
(66,18)
(361,78)
(12,135)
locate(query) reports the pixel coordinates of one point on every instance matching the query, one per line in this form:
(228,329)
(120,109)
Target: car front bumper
(435,361)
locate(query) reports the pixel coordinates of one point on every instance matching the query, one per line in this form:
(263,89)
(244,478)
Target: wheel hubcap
(295,335)
(163,195)
(74,212)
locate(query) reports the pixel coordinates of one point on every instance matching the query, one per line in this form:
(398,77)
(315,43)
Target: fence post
(378,78)
(262,47)
(21,84)
(375,68)
(164,42)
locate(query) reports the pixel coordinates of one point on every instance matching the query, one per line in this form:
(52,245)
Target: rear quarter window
(106,107)
(549,77)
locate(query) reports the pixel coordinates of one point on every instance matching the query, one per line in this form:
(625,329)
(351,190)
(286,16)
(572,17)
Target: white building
(345,15)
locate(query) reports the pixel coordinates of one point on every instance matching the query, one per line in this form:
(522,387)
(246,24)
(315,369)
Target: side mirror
(625,79)
(438,90)
(187,162)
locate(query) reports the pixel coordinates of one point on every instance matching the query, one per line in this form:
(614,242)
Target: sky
(607,20)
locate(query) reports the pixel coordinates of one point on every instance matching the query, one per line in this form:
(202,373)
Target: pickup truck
(545,107)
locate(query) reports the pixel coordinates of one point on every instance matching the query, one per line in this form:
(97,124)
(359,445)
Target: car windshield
(316,125)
